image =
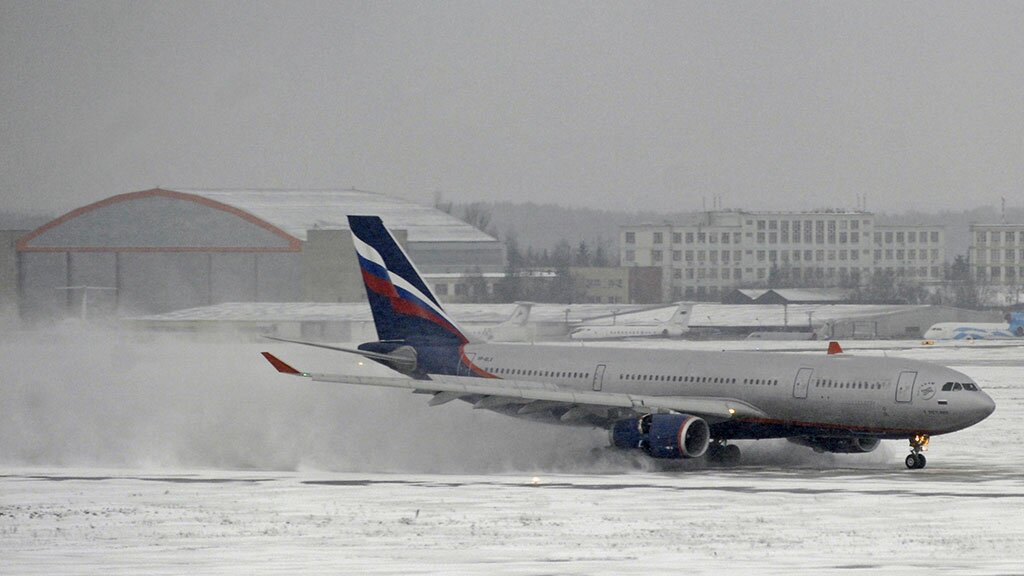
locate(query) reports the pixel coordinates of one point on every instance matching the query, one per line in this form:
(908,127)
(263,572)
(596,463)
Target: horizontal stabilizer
(280,365)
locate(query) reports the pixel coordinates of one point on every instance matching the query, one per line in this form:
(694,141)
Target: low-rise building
(618,285)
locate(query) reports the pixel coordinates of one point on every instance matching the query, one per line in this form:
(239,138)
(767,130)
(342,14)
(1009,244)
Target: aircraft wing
(498,392)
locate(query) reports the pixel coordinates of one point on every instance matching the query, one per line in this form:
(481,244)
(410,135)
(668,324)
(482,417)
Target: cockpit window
(957,386)
(970,386)
(947,386)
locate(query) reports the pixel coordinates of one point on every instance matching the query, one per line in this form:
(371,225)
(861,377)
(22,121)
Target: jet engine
(663,435)
(838,445)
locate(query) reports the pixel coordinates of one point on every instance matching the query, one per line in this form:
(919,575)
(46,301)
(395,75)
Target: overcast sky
(617,105)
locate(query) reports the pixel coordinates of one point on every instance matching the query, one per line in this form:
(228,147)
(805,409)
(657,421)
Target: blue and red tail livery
(404,309)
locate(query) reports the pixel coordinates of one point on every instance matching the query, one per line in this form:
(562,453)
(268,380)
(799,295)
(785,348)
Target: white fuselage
(801,393)
(973,331)
(624,331)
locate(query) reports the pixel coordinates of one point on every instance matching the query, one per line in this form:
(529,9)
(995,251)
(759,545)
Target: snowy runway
(125,456)
(951,520)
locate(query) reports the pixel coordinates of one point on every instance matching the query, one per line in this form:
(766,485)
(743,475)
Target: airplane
(1013,329)
(667,404)
(515,328)
(675,327)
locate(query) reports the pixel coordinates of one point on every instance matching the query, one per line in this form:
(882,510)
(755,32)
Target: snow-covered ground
(122,453)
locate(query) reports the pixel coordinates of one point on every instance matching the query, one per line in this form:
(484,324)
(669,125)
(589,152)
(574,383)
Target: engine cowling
(838,445)
(663,435)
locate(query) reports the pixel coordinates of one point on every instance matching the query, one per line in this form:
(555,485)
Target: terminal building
(160,250)
(724,250)
(997,253)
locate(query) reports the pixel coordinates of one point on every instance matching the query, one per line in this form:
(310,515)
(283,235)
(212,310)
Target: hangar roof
(296,211)
(234,220)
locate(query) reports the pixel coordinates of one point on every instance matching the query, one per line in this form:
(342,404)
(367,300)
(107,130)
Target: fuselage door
(803,379)
(905,386)
(598,377)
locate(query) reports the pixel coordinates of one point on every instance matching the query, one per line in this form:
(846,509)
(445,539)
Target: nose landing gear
(916,460)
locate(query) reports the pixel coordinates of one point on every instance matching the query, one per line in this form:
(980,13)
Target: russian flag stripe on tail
(403,306)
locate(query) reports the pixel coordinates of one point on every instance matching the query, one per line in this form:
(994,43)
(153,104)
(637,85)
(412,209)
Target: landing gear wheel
(730,455)
(719,452)
(916,460)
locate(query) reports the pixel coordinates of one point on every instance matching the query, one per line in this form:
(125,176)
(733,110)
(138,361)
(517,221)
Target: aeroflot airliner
(665,403)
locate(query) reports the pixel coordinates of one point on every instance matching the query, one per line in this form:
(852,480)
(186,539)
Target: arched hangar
(160,250)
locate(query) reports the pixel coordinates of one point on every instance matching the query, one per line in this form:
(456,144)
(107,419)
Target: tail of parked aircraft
(681,315)
(404,309)
(1017,323)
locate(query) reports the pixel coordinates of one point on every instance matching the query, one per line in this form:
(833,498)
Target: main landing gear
(721,452)
(916,460)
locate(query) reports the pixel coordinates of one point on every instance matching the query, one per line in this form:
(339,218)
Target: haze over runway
(768,105)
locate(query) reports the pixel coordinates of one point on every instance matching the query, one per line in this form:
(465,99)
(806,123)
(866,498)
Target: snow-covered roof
(759,315)
(811,294)
(360,312)
(296,211)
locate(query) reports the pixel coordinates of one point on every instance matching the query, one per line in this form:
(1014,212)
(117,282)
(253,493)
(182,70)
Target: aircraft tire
(730,455)
(916,461)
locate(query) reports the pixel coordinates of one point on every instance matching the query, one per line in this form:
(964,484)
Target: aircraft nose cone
(983,407)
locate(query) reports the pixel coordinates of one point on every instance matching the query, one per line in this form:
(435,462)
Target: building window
(677,255)
(630,237)
(935,237)
(677,237)
(658,237)
(656,255)
(441,289)
(630,255)
(689,237)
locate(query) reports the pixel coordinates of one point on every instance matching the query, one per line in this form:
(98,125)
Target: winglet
(280,365)
(833,348)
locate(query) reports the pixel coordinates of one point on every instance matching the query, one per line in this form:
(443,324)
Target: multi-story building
(997,253)
(917,252)
(723,250)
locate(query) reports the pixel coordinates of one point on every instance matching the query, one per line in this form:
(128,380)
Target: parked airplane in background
(1013,329)
(665,403)
(675,327)
(515,329)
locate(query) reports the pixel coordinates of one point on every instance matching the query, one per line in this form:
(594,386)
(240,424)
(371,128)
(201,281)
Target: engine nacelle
(838,445)
(663,435)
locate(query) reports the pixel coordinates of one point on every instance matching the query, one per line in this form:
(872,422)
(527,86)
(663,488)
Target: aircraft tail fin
(682,314)
(521,315)
(1017,323)
(403,306)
